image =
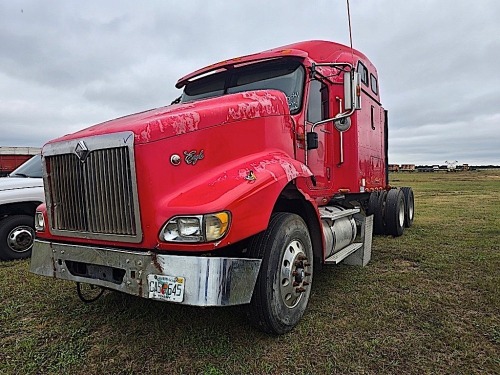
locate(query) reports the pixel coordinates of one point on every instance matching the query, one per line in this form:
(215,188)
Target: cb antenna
(350,30)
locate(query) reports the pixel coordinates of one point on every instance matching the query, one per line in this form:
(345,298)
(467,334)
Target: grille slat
(95,196)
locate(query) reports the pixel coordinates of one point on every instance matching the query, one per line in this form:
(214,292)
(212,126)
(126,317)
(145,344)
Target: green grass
(428,302)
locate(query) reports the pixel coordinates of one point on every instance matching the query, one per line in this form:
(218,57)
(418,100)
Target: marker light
(39,222)
(216,225)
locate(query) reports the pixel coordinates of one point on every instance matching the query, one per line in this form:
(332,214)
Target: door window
(317,107)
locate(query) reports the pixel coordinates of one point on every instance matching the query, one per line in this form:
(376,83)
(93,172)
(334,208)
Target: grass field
(427,303)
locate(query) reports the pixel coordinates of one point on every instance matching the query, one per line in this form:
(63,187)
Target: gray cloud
(67,65)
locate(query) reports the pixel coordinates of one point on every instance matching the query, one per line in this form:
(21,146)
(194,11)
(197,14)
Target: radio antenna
(350,30)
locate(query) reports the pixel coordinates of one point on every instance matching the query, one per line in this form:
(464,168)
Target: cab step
(344,253)
(333,213)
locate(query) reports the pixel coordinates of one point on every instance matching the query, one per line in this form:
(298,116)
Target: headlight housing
(196,228)
(39,222)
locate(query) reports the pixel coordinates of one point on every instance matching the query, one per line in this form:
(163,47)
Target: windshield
(30,168)
(286,75)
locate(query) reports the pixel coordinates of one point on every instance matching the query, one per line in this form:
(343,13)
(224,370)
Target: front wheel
(283,286)
(16,237)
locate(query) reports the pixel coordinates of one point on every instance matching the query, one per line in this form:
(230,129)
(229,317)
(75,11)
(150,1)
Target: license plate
(166,288)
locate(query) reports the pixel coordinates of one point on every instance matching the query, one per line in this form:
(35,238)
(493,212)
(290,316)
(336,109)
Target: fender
(247,187)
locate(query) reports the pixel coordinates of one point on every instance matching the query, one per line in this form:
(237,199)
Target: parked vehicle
(267,167)
(13,157)
(20,194)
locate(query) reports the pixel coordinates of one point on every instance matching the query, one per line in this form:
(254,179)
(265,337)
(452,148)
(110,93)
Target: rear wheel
(283,286)
(395,213)
(16,237)
(409,206)
(376,206)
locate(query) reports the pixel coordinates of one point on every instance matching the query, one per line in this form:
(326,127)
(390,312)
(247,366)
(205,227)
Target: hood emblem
(81,151)
(192,157)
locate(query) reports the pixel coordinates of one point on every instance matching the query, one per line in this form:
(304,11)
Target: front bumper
(209,281)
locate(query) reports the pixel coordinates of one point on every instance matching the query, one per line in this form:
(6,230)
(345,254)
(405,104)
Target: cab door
(317,159)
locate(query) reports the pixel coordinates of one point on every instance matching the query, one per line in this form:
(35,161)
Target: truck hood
(183,118)
(11,183)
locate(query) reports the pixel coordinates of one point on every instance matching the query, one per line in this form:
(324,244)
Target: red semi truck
(267,167)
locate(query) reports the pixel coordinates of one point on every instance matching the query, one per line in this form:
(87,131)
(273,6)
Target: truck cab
(265,168)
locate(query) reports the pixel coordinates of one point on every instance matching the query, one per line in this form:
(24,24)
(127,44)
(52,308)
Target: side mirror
(312,140)
(352,90)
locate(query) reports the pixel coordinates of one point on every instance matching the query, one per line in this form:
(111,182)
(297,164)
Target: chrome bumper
(209,281)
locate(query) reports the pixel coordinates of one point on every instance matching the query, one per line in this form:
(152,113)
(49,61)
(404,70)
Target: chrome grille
(94,198)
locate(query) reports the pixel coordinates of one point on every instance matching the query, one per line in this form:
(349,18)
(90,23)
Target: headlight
(183,229)
(196,228)
(39,222)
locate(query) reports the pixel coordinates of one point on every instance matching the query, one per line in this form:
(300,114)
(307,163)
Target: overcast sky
(65,65)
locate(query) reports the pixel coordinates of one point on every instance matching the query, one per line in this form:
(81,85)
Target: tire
(395,213)
(16,237)
(372,203)
(377,208)
(283,286)
(373,209)
(409,206)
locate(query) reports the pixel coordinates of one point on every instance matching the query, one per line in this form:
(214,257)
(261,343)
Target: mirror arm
(339,116)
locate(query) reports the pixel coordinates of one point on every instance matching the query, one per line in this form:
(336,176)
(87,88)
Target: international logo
(82,151)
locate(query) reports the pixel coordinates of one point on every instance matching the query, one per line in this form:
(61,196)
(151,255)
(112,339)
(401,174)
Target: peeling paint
(262,104)
(182,123)
(219,179)
(290,170)
(242,173)
(183,118)
(305,170)
(160,126)
(262,167)
(146,134)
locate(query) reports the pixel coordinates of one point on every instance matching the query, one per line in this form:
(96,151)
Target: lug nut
(307,273)
(295,283)
(300,290)
(305,283)
(302,257)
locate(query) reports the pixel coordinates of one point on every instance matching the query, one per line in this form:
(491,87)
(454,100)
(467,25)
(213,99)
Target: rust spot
(54,267)
(140,287)
(154,258)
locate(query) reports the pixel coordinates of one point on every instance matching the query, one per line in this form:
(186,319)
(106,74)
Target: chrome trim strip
(209,281)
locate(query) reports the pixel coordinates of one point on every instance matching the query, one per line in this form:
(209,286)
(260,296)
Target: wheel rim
(295,274)
(401,215)
(410,209)
(20,239)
